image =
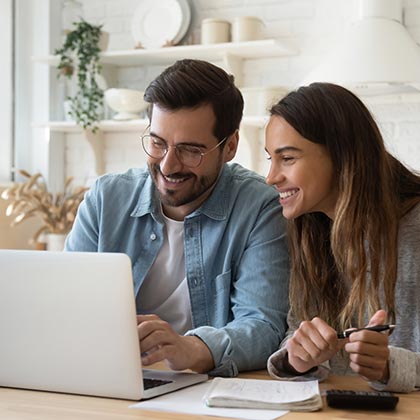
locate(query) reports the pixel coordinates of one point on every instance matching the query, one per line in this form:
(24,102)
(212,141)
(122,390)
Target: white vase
(55,241)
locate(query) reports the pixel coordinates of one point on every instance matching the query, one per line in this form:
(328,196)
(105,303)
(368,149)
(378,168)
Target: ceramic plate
(157,22)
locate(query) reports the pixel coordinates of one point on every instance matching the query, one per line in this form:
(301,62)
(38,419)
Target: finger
(317,337)
(316,331)
(147,317)
(155,355)
(311,343)
(366,372)
(314,354)
(368,361)
(327,334)
(367,349)
(157,338)
(296,350)
(149,327)
(378,318)
(150,351)
(370,337)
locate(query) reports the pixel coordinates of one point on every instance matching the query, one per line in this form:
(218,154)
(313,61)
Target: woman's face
(301,171)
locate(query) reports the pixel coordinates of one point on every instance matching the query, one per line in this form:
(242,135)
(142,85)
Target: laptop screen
(68,323)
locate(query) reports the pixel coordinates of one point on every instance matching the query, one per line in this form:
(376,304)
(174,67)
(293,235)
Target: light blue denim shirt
(236,259)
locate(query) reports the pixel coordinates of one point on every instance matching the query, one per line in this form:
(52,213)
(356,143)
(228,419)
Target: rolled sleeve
(221,347)
(276,369)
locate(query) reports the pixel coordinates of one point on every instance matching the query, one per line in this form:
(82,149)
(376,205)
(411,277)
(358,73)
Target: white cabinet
(230,54)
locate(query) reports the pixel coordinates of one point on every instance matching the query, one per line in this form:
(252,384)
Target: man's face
(183,189)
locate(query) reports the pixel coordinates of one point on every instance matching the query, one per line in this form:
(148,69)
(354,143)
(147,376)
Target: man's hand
(368,351)
(312,343)
(158,341)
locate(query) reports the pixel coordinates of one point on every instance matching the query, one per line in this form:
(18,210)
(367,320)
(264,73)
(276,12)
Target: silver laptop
(68,324)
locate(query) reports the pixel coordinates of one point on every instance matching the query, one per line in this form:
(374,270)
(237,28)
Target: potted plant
(32,198)
(79,57)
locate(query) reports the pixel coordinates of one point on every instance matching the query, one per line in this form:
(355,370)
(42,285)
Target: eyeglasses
(190,156)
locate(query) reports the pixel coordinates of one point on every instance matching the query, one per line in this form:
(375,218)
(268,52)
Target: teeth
(287,194)
(174,180)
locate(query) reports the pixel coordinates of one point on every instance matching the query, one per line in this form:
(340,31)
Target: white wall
(311,24)
(5,88)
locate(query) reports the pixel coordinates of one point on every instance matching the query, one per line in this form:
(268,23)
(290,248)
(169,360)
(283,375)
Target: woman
(353,215)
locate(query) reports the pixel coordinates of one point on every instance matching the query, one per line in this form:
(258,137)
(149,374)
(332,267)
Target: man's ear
(231,146)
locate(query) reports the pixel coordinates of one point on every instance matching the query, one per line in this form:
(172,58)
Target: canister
(246,28)
(214,31)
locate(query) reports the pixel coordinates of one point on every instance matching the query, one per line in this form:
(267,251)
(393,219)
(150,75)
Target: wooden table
(24,405)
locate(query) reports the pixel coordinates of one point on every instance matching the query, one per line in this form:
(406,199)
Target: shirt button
(152,236)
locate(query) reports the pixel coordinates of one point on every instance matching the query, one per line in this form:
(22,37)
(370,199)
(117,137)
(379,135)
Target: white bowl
(128,103)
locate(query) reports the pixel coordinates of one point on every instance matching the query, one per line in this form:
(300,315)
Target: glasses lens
(189,155)
(156,148)
(153,146)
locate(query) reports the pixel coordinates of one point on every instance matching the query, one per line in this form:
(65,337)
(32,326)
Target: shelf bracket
(254,138)
(96,141)
(233,64)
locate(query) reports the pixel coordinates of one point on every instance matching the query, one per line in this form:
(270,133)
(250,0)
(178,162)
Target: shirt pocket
(221,298)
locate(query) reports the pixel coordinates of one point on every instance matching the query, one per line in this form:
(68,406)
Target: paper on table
(190,400)
(264,394)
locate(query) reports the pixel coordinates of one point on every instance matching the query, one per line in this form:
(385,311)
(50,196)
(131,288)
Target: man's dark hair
(193,83)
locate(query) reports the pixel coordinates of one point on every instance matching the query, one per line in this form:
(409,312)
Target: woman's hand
(368,351)
(312,343)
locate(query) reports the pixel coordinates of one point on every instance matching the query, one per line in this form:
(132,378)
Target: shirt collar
(148,201)
(217,204)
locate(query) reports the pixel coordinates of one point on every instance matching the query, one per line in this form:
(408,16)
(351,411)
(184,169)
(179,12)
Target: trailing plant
(32,198)
(79,56)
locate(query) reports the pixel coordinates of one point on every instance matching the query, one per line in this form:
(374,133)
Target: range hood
(376,55)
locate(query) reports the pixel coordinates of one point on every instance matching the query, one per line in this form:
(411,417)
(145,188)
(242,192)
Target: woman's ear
(231,146)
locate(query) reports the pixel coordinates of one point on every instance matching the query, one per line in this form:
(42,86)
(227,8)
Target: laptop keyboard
(153,383)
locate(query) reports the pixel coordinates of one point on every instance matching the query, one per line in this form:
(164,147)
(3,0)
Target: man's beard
(174,198)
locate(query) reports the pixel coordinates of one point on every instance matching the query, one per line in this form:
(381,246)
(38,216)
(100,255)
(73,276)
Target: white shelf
(231,54)
(105,126)
(132,125)
(96,140)
(213,52)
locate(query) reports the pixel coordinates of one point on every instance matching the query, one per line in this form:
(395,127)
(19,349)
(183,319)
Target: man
(206,239)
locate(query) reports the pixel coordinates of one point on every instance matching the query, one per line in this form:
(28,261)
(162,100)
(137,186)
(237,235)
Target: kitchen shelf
(232,55)
(213,52)
(104,125)
(96,140)
(256,121)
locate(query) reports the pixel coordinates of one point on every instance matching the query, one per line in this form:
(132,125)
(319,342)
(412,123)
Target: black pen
(377,328)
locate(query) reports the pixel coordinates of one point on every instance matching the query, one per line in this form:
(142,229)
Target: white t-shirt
(164,291)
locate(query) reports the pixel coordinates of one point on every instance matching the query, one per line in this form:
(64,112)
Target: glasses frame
(176,147)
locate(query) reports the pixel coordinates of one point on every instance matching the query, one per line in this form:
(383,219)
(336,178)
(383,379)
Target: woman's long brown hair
(346,267)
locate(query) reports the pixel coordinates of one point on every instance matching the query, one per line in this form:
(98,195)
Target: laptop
(68,324)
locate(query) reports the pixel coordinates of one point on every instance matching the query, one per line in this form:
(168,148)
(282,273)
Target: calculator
(363,400)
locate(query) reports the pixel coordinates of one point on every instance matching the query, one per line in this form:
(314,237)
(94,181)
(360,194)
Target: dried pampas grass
(31,198)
